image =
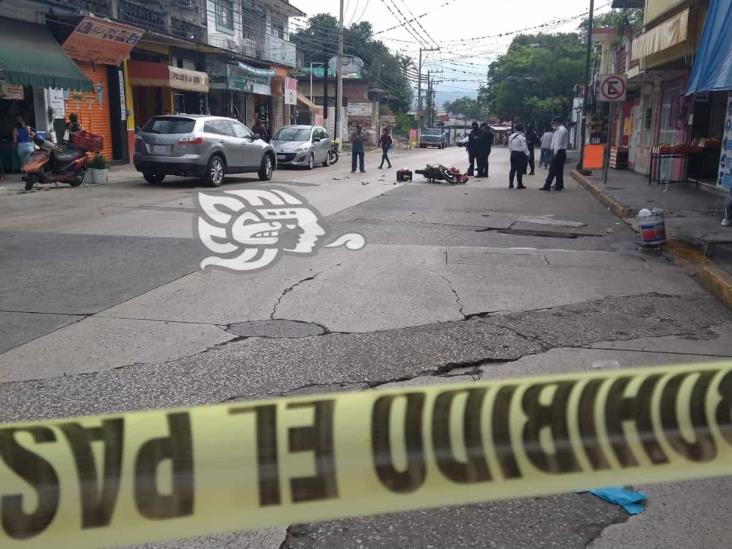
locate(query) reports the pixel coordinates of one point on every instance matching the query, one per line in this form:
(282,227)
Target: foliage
(466,106)
(534,80)
(624,21)
(404,122)
(319,42)
(98,162)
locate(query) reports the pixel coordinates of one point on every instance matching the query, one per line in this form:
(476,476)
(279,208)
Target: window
(278,29)
(224,15)
(669,113)
(241,131)
(219,127)
(168,125)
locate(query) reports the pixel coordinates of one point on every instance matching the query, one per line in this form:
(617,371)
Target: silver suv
(204,146)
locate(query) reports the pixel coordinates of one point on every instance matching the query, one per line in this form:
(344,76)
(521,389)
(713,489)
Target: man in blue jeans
(357,150)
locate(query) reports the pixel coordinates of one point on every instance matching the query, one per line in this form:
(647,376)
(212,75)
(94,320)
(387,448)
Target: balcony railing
(187,30)
(279,51)
(98,7)
(141,16)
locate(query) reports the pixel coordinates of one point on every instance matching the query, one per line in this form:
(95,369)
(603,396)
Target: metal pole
(429,99)
(583,128)
(311,81)
(419,94)
(606,164)
(339,85)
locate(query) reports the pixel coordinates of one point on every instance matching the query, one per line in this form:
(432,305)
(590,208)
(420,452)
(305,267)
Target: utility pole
(419,88)
(429,100)
(586,99)
(339,85)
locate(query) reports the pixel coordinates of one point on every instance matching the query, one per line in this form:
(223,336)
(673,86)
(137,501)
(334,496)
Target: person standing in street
(472,146)
(519,156)
(485,144)
(546,148)
(357,150)
(531,141)
(385,142)
(560,141)
(23,140)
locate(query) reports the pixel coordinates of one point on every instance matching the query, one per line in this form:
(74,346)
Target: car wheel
(311,161)
(153,178)
(266,168)
(215,171)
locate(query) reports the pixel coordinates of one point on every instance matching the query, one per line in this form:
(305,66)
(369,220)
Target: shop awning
(146,73)
(667,34)
(30,56)
(712,69)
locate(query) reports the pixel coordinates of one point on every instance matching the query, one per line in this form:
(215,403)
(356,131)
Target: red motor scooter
(52,164)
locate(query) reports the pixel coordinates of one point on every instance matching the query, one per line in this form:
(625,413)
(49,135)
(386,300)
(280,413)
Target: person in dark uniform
(485,144)
(473,140)
(532,140)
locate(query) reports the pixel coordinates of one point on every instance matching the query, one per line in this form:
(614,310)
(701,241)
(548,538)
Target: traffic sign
(613,87)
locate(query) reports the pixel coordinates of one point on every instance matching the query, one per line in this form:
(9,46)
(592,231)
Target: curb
(703,269)
(716,281)
(618,208)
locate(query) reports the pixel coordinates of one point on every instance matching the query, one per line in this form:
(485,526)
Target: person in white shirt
(546,149)
(560,141)
(519,156)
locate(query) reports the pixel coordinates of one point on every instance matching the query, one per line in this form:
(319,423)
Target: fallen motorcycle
(438,172)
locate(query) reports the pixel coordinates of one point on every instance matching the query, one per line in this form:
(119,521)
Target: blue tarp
(712,69)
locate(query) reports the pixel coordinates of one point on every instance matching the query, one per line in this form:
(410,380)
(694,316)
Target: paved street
(103,308)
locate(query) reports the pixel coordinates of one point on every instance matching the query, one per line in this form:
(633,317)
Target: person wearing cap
(560,141)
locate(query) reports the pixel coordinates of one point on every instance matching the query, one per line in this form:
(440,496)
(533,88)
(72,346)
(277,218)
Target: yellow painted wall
(656,8)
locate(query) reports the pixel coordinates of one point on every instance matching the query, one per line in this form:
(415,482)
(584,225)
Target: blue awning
(712,69)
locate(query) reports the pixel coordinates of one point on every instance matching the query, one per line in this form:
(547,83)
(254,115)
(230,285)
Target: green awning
(30,56)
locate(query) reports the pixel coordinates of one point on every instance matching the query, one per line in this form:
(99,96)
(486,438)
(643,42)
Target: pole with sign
(613,89)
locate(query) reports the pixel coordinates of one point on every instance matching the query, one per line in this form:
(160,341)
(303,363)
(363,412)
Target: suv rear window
(169,125)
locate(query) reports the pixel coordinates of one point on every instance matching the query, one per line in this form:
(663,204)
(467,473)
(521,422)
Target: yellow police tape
(143,476)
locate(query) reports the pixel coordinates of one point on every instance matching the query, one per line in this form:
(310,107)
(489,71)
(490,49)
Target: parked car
(302,146)
(203,146)
(433,137)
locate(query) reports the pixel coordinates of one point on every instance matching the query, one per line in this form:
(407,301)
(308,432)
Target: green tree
(624,21)
(534,80)
(466,106)
(319,40)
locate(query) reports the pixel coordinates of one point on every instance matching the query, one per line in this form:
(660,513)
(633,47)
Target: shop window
(224,15)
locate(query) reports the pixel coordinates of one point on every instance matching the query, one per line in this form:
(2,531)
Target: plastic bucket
(652,228)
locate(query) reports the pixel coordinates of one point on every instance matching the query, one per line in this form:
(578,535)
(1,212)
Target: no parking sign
(613,87)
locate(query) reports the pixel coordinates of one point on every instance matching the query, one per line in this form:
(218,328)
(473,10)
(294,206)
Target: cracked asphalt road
(465,282)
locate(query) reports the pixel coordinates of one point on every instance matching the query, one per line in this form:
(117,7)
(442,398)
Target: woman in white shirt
(519,156)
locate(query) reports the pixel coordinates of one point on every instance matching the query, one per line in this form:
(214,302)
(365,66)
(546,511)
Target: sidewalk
(13,182)
(696,240)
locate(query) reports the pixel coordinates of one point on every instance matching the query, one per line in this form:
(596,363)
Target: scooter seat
(67,156)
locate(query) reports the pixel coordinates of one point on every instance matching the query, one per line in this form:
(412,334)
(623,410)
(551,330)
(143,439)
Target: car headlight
(302,148)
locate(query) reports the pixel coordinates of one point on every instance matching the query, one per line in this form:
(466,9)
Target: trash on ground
(632,501)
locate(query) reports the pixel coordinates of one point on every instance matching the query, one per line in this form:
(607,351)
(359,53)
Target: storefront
(31,60)
(239,90)
(100,48)
(164,89)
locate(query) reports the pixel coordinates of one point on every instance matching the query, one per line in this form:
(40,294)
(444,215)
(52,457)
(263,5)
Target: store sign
(56,102)
(101,42)
(360,109)
(188,80)
(290,91)
(725,160)
(239,80)
(12,92)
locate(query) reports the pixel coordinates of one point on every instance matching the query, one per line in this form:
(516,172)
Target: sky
(449,21)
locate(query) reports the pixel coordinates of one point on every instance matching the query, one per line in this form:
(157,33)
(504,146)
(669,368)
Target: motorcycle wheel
(333,157)
(30,180)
